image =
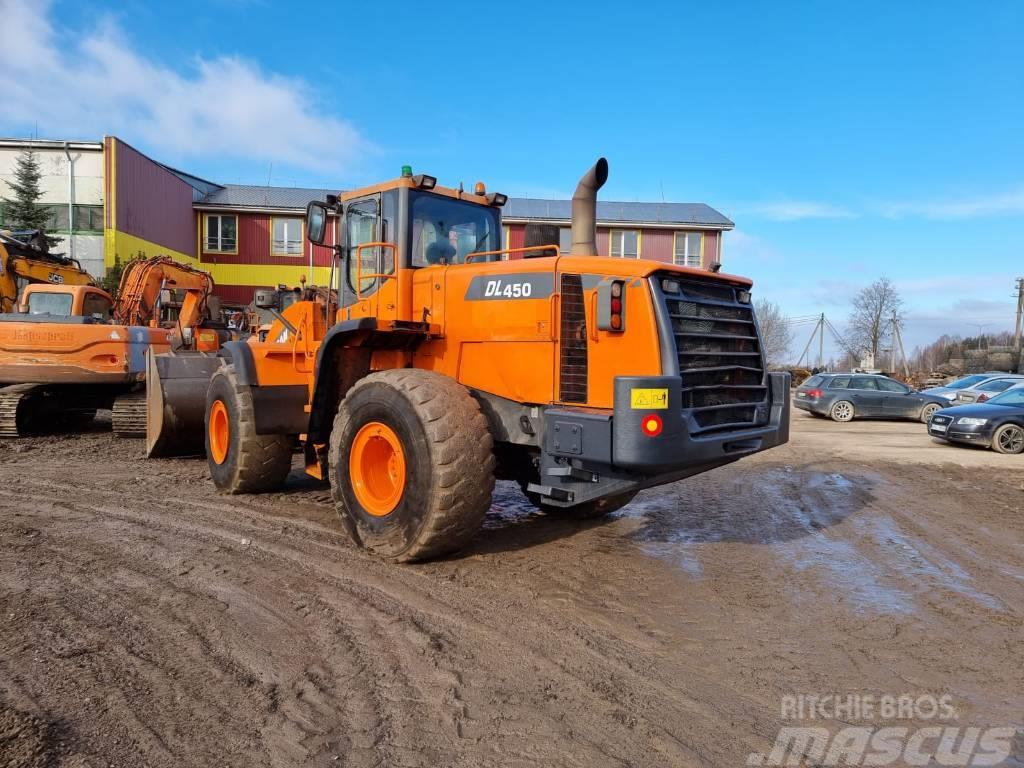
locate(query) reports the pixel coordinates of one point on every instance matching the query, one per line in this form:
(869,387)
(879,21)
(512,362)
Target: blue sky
(847,141)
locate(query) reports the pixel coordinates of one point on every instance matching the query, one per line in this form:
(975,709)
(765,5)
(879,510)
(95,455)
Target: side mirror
(316,222)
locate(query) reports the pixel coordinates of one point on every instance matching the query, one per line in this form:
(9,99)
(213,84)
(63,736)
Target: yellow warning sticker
(648,399)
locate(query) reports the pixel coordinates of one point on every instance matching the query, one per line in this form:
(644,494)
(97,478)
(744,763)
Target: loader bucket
(176,384)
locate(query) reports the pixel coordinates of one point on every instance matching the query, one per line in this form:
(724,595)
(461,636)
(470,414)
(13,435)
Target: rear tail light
(611,305)
(982,398)
(814,393)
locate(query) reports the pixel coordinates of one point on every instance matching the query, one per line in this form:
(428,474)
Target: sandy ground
(146,620)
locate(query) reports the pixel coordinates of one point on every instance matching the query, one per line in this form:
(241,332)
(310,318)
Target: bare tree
(871,319)
(776,335)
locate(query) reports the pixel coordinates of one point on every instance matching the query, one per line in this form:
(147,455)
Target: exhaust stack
(584,210)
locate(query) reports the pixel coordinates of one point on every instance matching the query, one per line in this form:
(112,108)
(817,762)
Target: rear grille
(572,373)
(719,353)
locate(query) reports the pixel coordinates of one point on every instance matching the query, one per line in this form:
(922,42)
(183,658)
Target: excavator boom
(144,280)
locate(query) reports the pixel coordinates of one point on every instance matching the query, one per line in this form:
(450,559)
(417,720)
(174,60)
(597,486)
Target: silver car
(989,388)
(950,391)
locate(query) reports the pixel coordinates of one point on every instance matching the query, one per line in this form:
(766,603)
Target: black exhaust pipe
(584,210)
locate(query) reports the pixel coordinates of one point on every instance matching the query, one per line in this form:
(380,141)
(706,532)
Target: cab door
(369,286)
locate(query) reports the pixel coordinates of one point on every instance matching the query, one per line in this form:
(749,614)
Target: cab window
(446,230)
(58,304)
(95,305)
(840,382)
(813,381)
(363,222)
(863,382)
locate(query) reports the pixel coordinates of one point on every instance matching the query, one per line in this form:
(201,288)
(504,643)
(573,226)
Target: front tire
(411,464)
(928,411)
(842,411)
(241,461)
(1009,438)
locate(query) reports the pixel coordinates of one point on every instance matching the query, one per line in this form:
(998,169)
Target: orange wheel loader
(582,378)
(73,349)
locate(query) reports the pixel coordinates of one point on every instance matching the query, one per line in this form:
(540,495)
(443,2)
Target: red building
(249,237)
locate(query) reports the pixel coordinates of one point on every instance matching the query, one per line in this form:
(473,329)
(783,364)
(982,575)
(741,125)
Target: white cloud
(1009,203)
(795,210)
(224,106)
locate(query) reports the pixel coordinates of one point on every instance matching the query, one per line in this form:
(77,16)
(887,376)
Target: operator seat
(440,252)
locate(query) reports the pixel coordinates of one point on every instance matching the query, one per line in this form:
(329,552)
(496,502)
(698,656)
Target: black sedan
(997,424)
(846,396)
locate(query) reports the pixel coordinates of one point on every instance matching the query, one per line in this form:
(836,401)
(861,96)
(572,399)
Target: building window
(624,243)
(89,218)
(565,240)
(287,237)
(688,248)
(221,233)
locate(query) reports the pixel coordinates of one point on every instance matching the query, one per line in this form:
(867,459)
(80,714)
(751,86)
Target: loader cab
(388,233)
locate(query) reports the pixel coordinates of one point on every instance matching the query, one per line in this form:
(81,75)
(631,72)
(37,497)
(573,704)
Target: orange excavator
(72,349)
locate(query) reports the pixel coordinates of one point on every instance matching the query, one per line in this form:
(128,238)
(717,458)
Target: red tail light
(982,398)
(814,393)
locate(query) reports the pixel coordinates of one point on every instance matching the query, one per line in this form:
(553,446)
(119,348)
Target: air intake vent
(572,378)
(720,358)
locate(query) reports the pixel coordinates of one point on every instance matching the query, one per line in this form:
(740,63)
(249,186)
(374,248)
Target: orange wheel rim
(219,429)
(376,467)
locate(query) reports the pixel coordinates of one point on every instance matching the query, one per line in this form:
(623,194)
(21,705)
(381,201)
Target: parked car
(997,423)
(949,391)
(987,389)
(845,396)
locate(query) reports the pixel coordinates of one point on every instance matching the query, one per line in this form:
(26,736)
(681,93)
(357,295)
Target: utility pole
(1020,314)
(819,328)
(897,343)
(821,341)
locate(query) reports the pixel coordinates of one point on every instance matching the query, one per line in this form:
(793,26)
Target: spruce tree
(23,211)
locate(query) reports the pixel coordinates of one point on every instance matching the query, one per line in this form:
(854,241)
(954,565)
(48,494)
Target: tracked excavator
(26,259)
(584,379)
(72,349)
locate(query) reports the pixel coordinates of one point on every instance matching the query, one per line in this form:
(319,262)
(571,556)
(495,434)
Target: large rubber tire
(928,411)
(447,476)
(1009,438)
(588,510)
(243,462)
(842,411)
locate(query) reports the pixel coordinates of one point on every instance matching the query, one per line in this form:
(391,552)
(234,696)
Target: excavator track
(15,409)
(128,416)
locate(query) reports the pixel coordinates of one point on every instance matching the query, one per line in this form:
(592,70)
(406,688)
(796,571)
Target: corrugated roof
(248,196)
(611,212)
(615,212)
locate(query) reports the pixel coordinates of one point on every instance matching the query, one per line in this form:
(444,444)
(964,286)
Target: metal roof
(612,212)
(248,196)
(245,196)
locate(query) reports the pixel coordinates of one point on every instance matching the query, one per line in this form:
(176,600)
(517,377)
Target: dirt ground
(147,620)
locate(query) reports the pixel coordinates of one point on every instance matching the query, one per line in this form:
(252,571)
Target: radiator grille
(572,373)
(720,360)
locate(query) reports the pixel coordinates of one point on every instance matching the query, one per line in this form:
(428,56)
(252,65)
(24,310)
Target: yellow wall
(127,247)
